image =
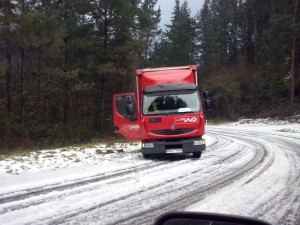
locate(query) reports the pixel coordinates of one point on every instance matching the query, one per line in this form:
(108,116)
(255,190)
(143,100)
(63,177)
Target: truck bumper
(190,145)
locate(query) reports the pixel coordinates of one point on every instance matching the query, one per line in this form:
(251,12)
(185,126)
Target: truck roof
(170,87)
(190,67)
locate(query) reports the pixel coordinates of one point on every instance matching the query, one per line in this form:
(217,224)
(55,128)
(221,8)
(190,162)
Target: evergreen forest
(61,61)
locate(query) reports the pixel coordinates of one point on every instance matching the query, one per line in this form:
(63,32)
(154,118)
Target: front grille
(174,146)
(172,132)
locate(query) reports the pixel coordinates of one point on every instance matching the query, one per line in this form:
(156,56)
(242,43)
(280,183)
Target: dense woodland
(62,60)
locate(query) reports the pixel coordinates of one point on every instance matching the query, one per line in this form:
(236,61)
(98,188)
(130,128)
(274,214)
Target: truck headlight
(148,145)
(199,142)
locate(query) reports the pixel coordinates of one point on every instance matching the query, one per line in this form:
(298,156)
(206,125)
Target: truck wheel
(146,156)
(196,155)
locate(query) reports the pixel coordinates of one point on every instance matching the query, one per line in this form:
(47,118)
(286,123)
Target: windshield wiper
(169,113)
(176,113)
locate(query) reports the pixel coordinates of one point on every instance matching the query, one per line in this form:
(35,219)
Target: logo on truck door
(131,127)
(186,119)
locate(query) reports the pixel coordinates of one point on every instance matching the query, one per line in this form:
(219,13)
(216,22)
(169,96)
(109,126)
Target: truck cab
(166,115)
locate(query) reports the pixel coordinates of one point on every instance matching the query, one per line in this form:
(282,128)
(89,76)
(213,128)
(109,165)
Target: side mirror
(195,218)
(207,103)
(206,94)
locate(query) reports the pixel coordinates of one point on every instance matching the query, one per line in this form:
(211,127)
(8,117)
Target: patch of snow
(53,159)
(273,180)
(291,125)
(66,157)
(258,122)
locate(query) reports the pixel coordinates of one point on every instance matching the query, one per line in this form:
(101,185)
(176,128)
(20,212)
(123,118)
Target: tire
(196,155)
(146,156)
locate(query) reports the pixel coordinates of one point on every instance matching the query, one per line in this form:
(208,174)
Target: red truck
(167,115)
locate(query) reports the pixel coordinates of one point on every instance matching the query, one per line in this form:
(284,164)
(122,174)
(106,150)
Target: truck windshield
(171,102)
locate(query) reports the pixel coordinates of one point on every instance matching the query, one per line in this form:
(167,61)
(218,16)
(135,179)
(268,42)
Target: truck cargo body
(167,115)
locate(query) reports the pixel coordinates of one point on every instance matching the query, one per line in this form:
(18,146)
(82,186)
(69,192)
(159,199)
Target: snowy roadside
(101,153)
(66,157)
(291,125)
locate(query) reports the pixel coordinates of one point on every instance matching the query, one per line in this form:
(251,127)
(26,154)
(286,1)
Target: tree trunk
(102,119)
(39,84)
(100,106)
(22,75)
(293,54)
(22,81)
(66,104)
(8,82)
(46,96)
(293,71)
(47,85)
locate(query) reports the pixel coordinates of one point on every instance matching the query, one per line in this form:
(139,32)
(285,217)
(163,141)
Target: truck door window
(126,107)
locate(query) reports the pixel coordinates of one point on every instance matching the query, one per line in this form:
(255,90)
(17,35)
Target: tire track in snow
(285,201)
(218,170)
(20,195)
(257,165)
(282,206)
(186,198)
(170,162)
(58,187)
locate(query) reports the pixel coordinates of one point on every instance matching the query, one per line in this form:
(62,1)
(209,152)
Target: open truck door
(126,116)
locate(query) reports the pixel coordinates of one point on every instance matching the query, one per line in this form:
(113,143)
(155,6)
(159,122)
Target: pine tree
(148,20)
(7,40)
(178,43)
(206,38)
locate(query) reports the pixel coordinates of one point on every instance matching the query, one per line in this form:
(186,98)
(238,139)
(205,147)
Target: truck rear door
(126,116)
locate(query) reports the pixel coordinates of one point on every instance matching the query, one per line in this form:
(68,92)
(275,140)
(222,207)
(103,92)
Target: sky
(167,7)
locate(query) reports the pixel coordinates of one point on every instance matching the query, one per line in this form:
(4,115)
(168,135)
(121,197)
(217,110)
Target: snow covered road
(250,171)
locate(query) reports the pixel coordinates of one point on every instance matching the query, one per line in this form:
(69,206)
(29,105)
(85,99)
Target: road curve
(243,171)
(274,193)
